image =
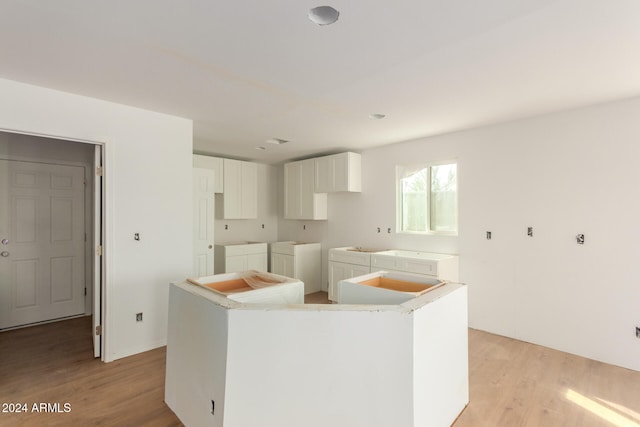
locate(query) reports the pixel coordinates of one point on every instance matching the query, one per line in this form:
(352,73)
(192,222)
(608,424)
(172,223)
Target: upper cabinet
(237,181)
(300,200)
(240,189)
(213,163)
(307,182)
(338,172)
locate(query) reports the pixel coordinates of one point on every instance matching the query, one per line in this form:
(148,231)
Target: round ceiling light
(323,15)
(377,116)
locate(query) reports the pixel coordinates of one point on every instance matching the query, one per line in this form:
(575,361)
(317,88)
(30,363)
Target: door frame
(98,233)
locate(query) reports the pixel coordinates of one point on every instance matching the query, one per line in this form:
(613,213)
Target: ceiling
(249,71)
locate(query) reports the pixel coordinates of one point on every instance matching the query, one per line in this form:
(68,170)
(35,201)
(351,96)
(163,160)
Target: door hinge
(99,330)
(99,250)
(99,170)
(85,292)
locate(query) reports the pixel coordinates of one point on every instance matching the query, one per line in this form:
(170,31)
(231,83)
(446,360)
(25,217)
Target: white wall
(148,168)
(563,174)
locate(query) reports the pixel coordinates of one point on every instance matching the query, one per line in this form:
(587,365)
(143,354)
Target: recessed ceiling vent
(276,141)
(323,15)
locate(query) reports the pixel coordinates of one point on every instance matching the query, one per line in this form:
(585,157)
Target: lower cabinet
(238,257)
(298,260)
(340,271)
(282,264)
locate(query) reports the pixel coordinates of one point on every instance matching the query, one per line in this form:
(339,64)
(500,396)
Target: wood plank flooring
(54,363)
(512,383)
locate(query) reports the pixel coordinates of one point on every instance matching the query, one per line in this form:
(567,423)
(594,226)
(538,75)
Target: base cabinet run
(349,262)
(239,257)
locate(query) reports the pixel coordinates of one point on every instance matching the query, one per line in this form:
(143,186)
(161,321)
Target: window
(427,199)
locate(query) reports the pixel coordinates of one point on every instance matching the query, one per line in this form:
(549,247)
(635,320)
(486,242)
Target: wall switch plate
(530,231)
(488,235)
(138,317)
(580,239)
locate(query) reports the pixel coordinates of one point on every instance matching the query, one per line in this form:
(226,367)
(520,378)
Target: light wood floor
(511,383)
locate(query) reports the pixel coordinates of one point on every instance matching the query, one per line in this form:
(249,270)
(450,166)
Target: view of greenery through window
(428,199)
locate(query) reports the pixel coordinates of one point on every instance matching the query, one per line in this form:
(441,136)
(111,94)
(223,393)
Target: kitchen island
(236,364)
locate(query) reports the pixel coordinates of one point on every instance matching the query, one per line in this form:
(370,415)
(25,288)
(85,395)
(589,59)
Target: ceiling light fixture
(377,116)
(323,15)
(276,141)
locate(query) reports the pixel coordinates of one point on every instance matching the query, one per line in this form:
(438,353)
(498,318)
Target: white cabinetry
(440,266)
(338,172)
(212,163)
(300,261)
(345,263)
(240,190)
(300,201)
(240,256)
(237,180)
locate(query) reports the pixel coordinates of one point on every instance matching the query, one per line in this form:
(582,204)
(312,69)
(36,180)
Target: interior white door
(42,239)
(203,220)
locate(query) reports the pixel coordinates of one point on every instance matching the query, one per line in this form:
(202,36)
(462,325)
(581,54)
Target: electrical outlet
(488,235)
(530,231)
(637,332)
(138,317)
(213,407)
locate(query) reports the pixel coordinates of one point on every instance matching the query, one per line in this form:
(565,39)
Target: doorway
(50,223)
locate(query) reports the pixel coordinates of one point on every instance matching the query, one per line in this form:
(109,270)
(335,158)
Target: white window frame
(400,169)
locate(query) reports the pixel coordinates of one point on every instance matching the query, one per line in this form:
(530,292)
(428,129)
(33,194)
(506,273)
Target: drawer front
(256,248)
(380,262)
(235,250)
(418,266)
(282,248)
(349,257)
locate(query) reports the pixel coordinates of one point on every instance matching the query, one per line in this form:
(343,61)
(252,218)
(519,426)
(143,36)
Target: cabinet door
(232,188)
(358,270)
(337,272)
(338,172)
(213,163)
(236,264)
(307,188)
(300,201)
(292,190)
(240,189)
(282,264)
(257,262)
(249,190)
(323,179)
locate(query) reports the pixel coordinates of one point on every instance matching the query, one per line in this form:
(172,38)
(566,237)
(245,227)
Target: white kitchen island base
(235,365)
